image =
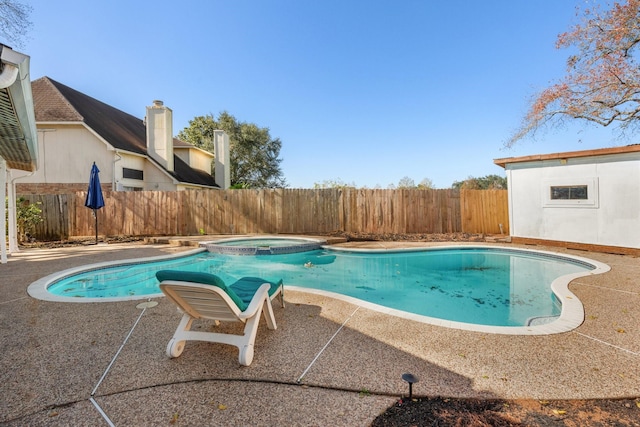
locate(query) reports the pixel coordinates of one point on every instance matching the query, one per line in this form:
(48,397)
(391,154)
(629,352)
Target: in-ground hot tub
(264,245)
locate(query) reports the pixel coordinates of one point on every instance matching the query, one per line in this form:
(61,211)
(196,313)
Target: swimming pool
(471,287)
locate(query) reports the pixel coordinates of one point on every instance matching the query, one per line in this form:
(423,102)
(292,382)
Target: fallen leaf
(543,402)
(559,412)
(620,331)
(638,403)
(222,407)
(53,414)
(174,418)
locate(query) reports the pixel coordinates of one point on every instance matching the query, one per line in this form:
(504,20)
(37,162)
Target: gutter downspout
(3,225)
(114,186)
(13,220)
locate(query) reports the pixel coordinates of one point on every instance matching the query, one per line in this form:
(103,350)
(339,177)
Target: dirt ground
(441,237)
(503,413)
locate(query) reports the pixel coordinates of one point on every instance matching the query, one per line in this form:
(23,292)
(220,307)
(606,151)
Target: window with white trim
(570,192)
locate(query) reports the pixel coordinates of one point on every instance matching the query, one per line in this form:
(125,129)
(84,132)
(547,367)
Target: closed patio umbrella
(94,199)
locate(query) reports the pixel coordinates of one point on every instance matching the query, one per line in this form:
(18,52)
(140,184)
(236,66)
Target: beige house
(75,130)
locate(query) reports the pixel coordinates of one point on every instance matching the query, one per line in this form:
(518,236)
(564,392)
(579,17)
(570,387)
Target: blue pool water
(473,285)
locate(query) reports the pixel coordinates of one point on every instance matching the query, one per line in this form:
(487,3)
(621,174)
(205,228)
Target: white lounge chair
(205,296)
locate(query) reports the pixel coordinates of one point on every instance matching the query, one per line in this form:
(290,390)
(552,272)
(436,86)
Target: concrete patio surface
(54,355)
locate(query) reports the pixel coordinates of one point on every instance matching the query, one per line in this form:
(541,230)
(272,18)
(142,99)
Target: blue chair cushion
(204,279)
(246,287)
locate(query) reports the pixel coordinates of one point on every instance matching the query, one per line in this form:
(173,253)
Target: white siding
(157,180)
(66,154)
(195,158)
(129,161)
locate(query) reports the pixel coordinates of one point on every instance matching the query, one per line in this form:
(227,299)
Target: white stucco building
(589,197)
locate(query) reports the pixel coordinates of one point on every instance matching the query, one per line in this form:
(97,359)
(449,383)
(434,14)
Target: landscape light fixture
(411,379)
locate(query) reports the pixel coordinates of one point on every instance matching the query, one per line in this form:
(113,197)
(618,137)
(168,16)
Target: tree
(14,21)
(253,154)
(488,182)
(426,184)
(334,183)
(200,132)
(602,84)
(406,182)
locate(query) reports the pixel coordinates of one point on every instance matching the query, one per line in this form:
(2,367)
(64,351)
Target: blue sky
(366,92)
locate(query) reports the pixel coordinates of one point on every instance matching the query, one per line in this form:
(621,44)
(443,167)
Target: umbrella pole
(95,214)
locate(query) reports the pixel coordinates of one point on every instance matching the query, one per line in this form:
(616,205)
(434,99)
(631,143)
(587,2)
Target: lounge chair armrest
(256,302)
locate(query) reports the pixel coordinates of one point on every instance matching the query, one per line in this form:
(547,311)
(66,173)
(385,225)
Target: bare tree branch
(602,80)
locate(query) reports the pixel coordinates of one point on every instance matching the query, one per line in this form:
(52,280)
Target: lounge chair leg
(176,345)
(269,317)
(245,344)
(246,355)
(175,348)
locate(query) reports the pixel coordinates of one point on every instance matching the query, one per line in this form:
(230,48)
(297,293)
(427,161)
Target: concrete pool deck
(348,359)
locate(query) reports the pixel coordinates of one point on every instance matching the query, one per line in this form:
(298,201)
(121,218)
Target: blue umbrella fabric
(94,198)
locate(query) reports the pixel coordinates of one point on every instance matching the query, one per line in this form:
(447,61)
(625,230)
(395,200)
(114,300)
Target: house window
(569,192)
(132,174)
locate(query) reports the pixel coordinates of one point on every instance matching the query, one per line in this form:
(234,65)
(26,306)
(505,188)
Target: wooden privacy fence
(157,213)
(484,211)
(55,215)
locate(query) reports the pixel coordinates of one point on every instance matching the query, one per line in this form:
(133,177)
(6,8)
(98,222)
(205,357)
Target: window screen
(569,192)
(132,174)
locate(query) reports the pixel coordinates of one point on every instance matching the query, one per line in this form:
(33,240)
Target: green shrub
(28,215)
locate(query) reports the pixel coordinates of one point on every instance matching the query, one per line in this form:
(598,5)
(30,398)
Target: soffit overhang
(18,135)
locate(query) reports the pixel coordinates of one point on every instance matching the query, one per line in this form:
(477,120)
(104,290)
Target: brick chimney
(159,121)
